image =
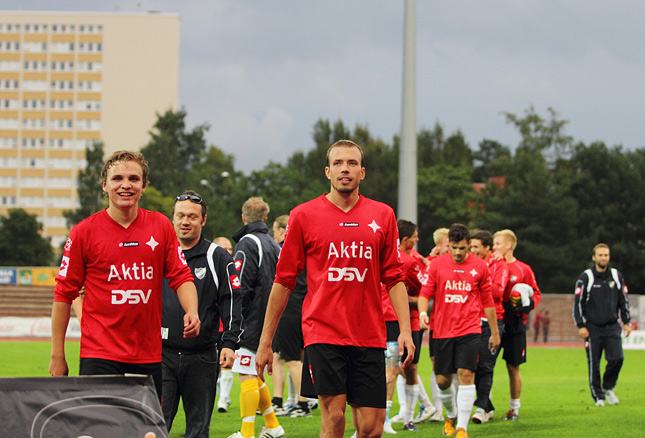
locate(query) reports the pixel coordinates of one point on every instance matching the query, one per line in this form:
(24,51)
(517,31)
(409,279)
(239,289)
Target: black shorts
(392,330)
(454,353)
(103,367)
(431,343)
(358,372)
(288,342)
(514,345)
(416,338)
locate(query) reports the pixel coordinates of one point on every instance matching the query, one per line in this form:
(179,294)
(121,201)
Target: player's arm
(579,297)
(399,300)
(60,319)
(187,295)
(623,306)
(275,307)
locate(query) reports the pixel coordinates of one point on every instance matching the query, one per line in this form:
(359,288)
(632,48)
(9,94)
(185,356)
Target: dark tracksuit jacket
(256,256)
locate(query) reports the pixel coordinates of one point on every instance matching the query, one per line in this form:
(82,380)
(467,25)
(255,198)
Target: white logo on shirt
(457,285)
(456,298)
(374,226)
(130,296)
(346,274)
(350,251)
(200,273)
(133,272)
(64,264)
(152,243)
(473,272)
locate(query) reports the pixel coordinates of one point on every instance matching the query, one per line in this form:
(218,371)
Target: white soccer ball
(525,291)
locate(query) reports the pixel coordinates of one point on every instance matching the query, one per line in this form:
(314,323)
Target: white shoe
(480,416)
(437,416)
(425,412)
(276,432)
(600,402)
(313,403)
(398,418)
(237,434)
(222,406)
(387,428)
(611,398)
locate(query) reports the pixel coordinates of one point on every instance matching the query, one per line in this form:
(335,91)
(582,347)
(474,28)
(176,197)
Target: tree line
(560,196)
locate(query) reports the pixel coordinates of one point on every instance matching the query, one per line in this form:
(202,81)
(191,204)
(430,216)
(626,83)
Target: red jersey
(460,292)
(498,272)
(415,277)
(520,272)
(388,310)
(122,270)
(348,255)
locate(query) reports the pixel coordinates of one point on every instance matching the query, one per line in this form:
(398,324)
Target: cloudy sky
(261,73)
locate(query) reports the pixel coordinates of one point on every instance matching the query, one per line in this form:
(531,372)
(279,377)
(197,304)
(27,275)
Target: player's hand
(493,343)
(264,358)
(627,329)
(424,322)
(497,256)
(583,332)
(58,367)
(406,343)
(192,325)
(226,358)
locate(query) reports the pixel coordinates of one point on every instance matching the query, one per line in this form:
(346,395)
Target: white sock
(411,396)
(423,395)
(514,405)
(434,389)
(388,406)
(291,389)
(400,394)
(465,401)
(447,397)
(226,380)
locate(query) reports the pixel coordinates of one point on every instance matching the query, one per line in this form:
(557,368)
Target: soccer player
(481,245)
(460,286)
(515,316)
(349,245)
(256,256)
(121,255)
(190,366)
(601,294)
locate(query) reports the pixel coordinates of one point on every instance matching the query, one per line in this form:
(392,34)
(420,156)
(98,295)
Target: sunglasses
(193,198)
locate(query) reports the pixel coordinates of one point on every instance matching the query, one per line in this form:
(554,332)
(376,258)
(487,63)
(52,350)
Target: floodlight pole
(407,206)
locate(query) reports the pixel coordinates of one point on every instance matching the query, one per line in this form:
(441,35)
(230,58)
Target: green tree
(21,241)
(173,150)
(90,193)
(536,203)
(491,159)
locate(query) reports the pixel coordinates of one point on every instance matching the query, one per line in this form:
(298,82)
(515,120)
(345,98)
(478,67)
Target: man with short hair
(349,246)
(190,366)
(121,255)
(600,296)
(255,255)
(481,245)
(460,286)
(515,316)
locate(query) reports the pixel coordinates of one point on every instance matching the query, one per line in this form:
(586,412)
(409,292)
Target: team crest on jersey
(200,273)
(238,265)
(152,243)
(578,290)
(235,282)
(513,278)
(181,255)
(68,244)
(64,264)
(625,291)
(474,272)
(374,226)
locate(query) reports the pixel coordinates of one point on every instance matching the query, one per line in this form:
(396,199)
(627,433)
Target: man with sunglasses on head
(190,366)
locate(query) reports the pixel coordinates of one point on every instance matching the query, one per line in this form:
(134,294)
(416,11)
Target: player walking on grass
(515,316)
(460,286)
(601,294)
(481,245)
(121,255)
(348,244)
(255,256)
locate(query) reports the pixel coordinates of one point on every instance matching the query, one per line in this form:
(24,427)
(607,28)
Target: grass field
(555,397)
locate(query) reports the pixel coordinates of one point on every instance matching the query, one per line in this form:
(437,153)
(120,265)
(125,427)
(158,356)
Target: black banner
(80,407)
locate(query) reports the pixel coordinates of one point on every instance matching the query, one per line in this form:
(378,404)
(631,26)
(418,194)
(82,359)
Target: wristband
(422,314)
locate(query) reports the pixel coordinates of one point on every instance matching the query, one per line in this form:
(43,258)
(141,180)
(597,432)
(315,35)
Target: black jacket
(599,298)
(218,296)
(256,256)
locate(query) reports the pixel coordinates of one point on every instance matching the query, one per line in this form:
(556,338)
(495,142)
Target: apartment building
(67,80)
